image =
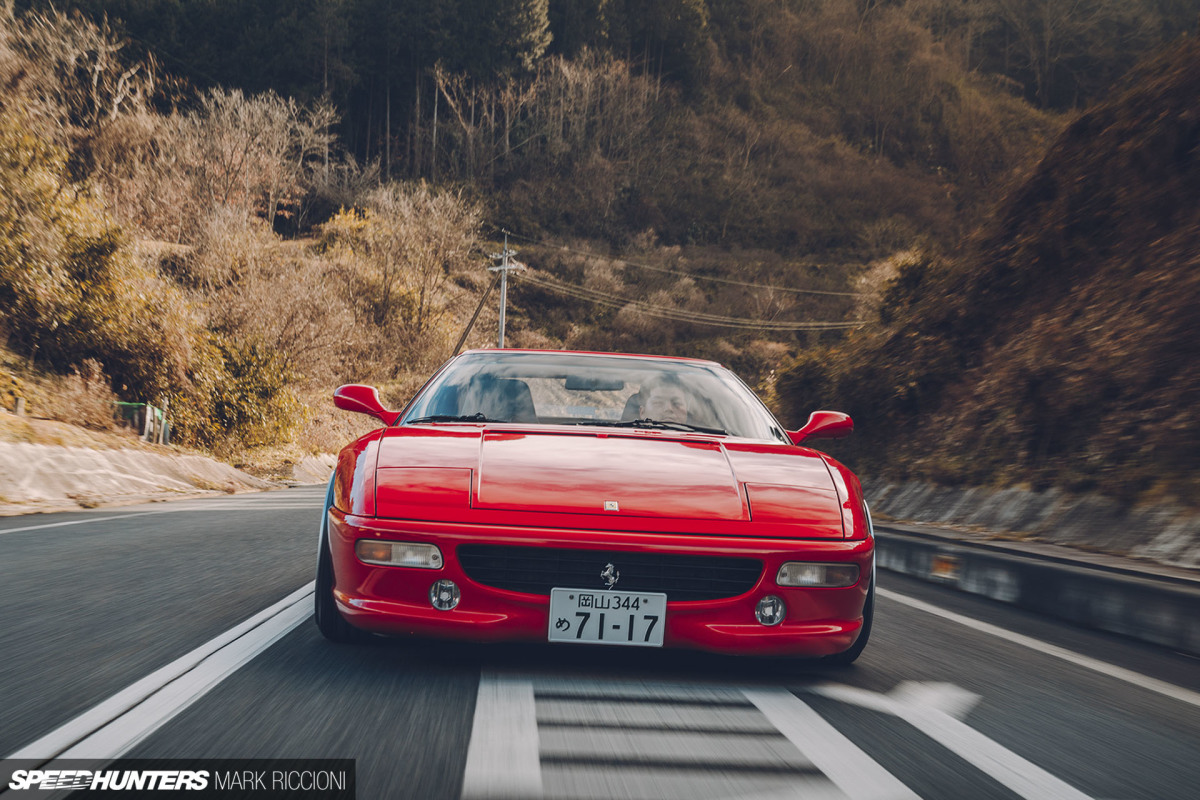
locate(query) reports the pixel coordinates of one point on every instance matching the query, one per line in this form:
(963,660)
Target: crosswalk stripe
(852,770)
(612,738)
(503,758)
(990,757)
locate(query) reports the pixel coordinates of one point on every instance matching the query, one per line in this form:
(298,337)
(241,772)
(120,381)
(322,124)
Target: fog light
(444,595)
(802,573)
(398,554)
(770,610)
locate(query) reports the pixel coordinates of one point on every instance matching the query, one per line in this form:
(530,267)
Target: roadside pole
(503,268)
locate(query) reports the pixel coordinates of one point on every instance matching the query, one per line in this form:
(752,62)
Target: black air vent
(537,570)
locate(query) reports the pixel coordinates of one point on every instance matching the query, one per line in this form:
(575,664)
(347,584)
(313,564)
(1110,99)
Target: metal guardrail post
(150,422)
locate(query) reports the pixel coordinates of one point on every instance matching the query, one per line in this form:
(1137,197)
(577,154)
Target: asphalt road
(93,602)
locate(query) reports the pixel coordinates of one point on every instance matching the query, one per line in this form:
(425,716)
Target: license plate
(586,615)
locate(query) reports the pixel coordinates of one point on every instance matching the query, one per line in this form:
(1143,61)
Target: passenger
(664,398)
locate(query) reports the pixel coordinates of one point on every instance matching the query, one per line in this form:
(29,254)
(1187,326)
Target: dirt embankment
(53,466)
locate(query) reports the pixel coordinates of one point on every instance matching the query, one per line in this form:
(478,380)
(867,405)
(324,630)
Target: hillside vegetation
(1060,348)
(134,258)
(234,206)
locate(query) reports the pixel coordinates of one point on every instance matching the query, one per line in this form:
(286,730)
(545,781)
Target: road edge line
(72,733)
(1146,682)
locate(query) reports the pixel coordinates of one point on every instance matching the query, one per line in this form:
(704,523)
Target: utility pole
(467,331)
(503,269)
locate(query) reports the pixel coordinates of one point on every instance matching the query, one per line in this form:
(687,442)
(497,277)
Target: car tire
(847,657)
(331,623)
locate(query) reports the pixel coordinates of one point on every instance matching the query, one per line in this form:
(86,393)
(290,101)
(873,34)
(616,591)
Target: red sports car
(595,498)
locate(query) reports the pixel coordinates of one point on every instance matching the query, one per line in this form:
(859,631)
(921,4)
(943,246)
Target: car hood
(634,476)
(619,475)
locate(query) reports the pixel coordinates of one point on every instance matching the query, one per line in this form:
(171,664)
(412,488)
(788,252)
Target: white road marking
(1011,770)
(313,506)
(850,769)
(503,758)
(85,521)
(1111,670)
(791,793)
(600,739)
(215,505)
(948,698)
(117,724)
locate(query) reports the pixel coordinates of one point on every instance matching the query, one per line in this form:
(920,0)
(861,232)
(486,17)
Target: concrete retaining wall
(37,477)
(1167,534)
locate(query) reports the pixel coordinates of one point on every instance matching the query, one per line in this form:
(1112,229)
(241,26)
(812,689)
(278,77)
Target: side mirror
(364,400)
(824,425)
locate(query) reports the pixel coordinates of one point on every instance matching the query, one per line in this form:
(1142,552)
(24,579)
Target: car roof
(643,356)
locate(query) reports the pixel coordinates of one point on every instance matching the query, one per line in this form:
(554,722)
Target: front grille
(537,570)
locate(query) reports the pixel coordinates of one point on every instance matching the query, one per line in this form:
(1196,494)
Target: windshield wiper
(477,417)
(656,423)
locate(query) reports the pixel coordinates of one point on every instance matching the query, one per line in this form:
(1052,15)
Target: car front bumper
(395,600)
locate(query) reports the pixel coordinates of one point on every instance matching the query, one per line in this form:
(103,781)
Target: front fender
(855,521)
(354,478)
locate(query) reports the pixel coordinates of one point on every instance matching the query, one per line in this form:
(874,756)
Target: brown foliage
(84,397)
(255,288)
(1061,348)
(395,255)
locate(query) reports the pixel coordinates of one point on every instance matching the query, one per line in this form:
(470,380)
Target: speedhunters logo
(298,779)
(116,779)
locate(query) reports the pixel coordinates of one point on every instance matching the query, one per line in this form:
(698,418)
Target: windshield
(583,389)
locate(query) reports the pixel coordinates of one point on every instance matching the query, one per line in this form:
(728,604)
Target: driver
(664,398)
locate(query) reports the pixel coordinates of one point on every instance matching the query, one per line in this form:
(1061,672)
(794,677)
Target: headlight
(398,554)
(803,573)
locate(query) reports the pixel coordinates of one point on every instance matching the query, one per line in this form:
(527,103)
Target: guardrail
(1153,605)
(151,421)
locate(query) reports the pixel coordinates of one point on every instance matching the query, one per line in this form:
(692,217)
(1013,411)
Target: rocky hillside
(1060,346)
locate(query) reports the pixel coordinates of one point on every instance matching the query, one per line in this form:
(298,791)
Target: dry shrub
(327,429)
(256,288)
(11,388)
(252,151)
(136,161)
(70,287)
(77,72)
(336,185)
(601,275)
(84,397)
(169,174)
(395,255)
(879,278)
(635,321)
(229,245)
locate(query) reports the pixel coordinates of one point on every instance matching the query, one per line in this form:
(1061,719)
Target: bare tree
(77,67)
(1047,35)
(569,108)
(396,252)
(251,152)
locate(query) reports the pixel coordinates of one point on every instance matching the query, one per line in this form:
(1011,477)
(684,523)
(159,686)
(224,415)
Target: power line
(680,315)
(682,273)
